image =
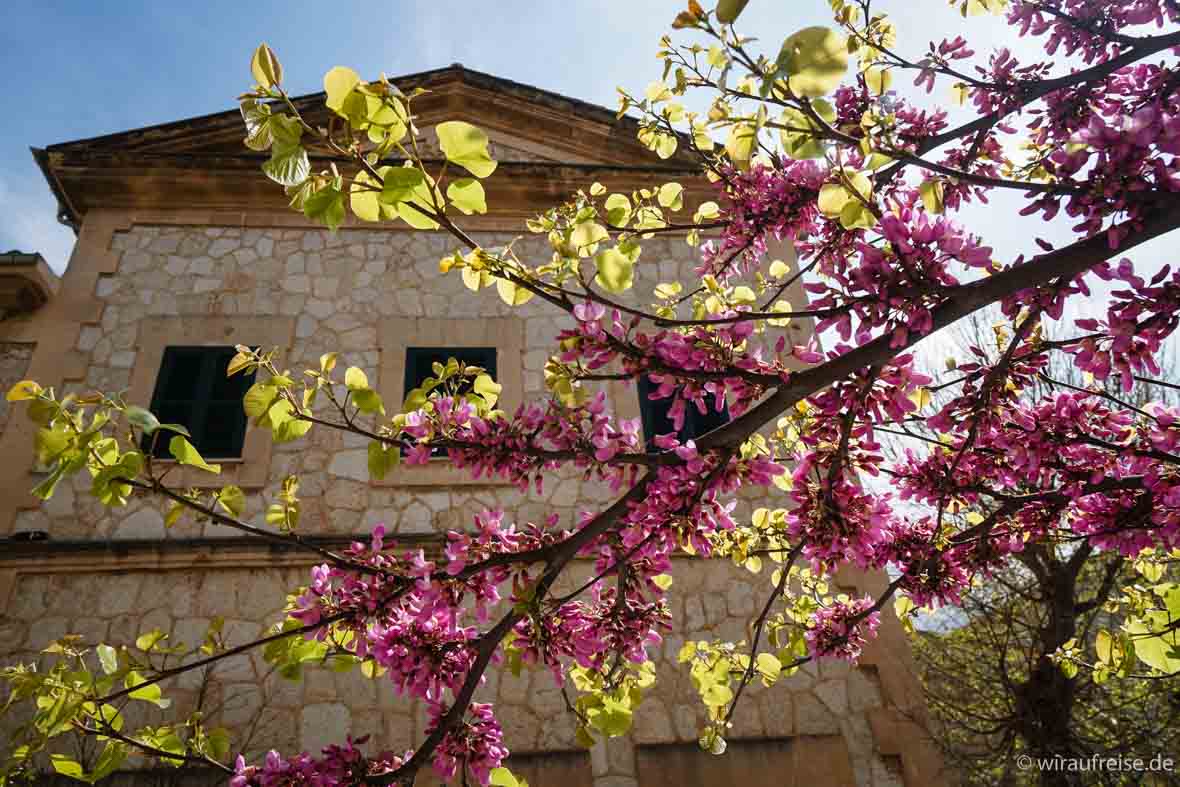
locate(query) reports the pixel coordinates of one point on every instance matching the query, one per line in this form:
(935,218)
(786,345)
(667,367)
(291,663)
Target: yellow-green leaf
(184,452)
(25,389)
(355,379)
(149,693)
(174,514)
(232,499)
(667,290)
(368,401)
(511,293)
(816,59)
(236,364)
(338,84)
(67,766)
(502,777)
(832,199)
(855,215)
(615,270)
(729,10)
(1104,646)
(108,657)
(742,294)
(265,67)
(740,143)
(138,416)
(259,399)
(467,146)
(931,192)
(707,211)
(488,388)
(768,667)
(878,80)
(365,195)
(468,196)
(586,237)
(382,459)
(671,196)
(618,210)
(476,280)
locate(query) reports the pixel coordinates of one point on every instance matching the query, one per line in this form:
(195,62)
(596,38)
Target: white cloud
(28,222)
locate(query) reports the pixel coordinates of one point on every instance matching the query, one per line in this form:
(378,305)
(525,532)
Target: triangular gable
(548,144)
(524,122)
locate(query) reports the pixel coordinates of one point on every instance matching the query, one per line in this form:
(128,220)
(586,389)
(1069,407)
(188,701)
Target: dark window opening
(658,421)
(192,390)
(420,366)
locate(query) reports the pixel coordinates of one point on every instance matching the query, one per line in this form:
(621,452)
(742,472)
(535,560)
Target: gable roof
(531,129)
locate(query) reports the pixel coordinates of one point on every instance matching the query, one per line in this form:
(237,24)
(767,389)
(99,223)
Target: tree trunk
(1046,700)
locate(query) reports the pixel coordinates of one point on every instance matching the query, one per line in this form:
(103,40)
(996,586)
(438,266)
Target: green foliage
(729,10)
(467,195)
(265,67)
(288,164)
(284,514)
(382,459)
(815,60)
(467,146)
(288,655)
(606,704)
(184,452)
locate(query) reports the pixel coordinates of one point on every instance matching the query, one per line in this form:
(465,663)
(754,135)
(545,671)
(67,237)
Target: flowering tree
(819,152)
(990,669)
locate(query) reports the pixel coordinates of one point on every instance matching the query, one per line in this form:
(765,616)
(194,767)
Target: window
(420,363)
(657,421)
(193,390)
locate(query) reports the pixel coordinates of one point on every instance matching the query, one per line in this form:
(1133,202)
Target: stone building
(184,247)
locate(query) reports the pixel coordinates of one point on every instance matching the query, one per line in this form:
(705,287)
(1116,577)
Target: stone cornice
(202,163)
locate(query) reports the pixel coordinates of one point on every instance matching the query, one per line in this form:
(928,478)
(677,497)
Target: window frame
(252,470)
(395,335)
(442,354)
(201,401)
(695,424)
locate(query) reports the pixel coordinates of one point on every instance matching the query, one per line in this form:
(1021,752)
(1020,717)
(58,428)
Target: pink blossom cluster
(1085,27)
(1077,462)
(700,366)
(762,202)
(535,439)
(1138,320)
(1113,146)
(476,744)
(338,766)
(842,629)
(894,287)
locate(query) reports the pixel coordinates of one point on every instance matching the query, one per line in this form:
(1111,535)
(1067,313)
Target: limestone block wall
(14,362)
(824,708)
(308,292)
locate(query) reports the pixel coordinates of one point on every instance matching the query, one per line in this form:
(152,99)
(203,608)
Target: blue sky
(79,69)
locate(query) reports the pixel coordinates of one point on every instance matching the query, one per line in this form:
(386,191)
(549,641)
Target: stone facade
(141,279)
(14,362)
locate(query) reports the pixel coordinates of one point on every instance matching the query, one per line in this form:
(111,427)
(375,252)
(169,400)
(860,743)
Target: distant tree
(995,691)
(859,180)
(995,679)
